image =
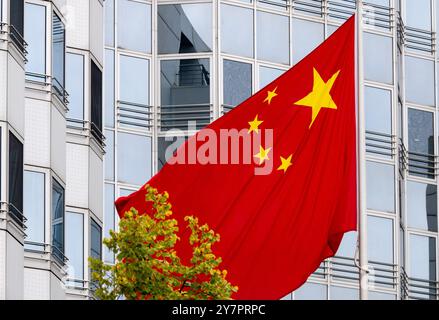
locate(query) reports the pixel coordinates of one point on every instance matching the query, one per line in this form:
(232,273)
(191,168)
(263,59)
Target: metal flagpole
(362,217)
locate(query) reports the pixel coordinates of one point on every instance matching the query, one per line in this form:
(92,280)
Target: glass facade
(172,68)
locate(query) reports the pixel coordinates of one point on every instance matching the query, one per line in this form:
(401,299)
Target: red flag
(276,176)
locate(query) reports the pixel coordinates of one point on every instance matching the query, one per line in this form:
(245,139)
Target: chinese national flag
(284,211)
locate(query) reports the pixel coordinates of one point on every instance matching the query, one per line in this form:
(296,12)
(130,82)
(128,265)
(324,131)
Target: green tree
(147,265)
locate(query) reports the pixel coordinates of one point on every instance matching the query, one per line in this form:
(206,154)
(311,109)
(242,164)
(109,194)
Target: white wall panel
(36,284)
(77,26)
(77,175)
(14,269)
(57,290)
(97,30)
(2,265)
(3,86)
(37,133)
(58,143)
(96,185)
(15,99)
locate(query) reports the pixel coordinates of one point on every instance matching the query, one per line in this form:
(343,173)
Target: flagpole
(362,216)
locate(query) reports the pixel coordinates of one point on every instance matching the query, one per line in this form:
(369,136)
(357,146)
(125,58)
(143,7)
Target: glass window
(134,26)
(95,240)
(109,155)
(133,158)
(418,14)
(422,206)
(185,28)
(237,82)
(273,38)
(348,245)
(237,30)
(380,187)
(380,239)
(134,80)
(75,85)
(96,101)
(17,21)
(15,178)
(373,295)
(419,77)
(58,53)
(109,219)
(109,22)
(75,247)
(109,88)
(268,75)
(422,257)
(343,293)
(185,93)
(306,37)
(58,220)
(166,148)
(34,207)
(378,58)
(378,103)
(311,291)
(35,36)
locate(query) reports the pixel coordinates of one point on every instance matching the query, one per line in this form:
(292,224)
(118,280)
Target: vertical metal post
(362,215)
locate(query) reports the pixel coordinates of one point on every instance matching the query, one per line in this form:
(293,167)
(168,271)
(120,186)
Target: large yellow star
(270,95)
(262,155)
(286,163)
(320,96)
(254,125)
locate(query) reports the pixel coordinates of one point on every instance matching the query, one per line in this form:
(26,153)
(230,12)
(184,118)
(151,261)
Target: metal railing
(415,38)
(313,7)
(193,74)
(380,143)
(341,9)
(52,84)
(59,91)
(87,129)
(378,16)
(418,164)
(276,3)
(418,289)
(16,215)
(180,116)
(14,37)
(55,253)
(134,115)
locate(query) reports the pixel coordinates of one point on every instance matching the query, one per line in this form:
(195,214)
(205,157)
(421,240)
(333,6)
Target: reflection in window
(15,178)
(109,219)
(268,75)
(378,58)
(378,103)
(166,148)
(237,30)
(273,37)
(75,85)
(185,93)
(35,35)
(34,207)
(133,158)
(380,187)
(380,239)
(109,88)
(343,293)
(185,28)
(109,22)
(421,143)
(237,83)
(95,240)
(422,257)
(311,291)
(58,220)
(418,14)
(58,54)
(75,247)
(134,26)
(306,37)
(109,155)
(419,77)
(422,206)
(96,101)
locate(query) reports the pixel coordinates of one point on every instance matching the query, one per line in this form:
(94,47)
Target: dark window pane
(75,247)
(166,148)
(34,206)
(422,206)
(35,36)
(95,240)
(96,101)
(15,178)
(185,28)
(17,22)
(58,54)
(185,93)
(134,26)
(75,85)
(237,82)
(58,220)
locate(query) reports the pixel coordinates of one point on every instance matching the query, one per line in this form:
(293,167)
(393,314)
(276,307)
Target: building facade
(95,95)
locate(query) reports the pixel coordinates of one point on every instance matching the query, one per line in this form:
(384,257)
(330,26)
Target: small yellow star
(262,155)
(270,95)
(286,163)
(254,125)
(320,96)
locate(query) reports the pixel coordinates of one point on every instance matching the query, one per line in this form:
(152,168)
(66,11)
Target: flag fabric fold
(276,177)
